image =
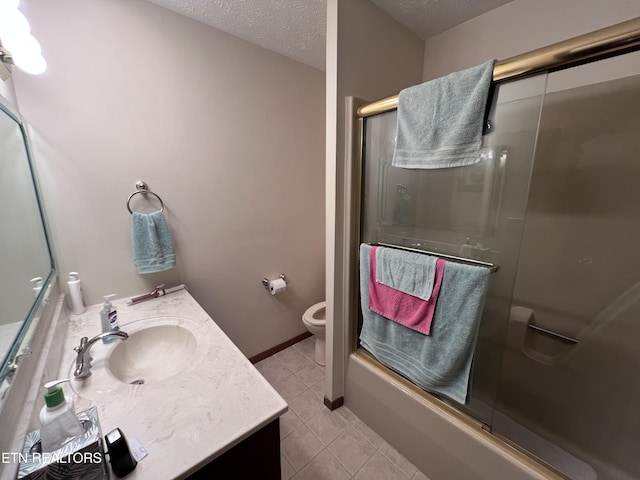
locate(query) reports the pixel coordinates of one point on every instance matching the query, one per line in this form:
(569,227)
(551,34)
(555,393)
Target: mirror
(25,253)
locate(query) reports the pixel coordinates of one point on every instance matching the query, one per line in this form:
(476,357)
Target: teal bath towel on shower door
(440,122)
(152,245)
(440,362)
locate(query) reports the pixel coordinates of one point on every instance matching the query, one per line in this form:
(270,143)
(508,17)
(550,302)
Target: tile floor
(319,444)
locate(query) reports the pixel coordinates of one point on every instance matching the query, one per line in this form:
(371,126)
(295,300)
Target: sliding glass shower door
(555,203)
(476,212)
(569,386)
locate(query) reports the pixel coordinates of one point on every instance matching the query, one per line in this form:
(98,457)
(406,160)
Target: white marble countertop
(217,400)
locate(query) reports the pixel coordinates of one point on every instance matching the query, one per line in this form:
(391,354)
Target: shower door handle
(553,334)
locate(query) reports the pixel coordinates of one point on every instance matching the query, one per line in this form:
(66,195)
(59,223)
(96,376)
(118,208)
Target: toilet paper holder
(265,280)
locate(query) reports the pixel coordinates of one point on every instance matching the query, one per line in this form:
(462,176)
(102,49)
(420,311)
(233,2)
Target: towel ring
(143,188)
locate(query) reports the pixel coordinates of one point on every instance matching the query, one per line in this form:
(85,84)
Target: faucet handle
(83,342)
(83,360)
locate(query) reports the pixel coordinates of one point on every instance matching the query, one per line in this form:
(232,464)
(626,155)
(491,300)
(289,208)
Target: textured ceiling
(427,18)
(296,28)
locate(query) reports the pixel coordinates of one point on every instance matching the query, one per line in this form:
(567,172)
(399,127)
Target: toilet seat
(316,314)
(314,319)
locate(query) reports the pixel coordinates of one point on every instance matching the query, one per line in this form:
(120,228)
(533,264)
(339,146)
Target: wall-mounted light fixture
(17,46)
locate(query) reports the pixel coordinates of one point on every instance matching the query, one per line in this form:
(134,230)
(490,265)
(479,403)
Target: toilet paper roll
(276,286)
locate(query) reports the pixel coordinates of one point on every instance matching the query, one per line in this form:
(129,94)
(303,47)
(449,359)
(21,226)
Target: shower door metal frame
(607,42)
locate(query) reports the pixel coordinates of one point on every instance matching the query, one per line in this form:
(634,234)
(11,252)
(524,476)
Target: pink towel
(400,307)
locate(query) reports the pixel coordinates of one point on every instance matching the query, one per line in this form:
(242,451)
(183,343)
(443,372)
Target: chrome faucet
(83,360)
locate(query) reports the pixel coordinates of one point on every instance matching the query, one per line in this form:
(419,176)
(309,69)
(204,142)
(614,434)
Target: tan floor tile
(300,447)
(293,359)
(310,374)
(378,467)
(288,423)
(307,347)
(351,449)
(347,414)
(367,432)
(306,405)
(273,369)
(398,459)
(324,467)
(320,444)
(419,476)
(327,425)
(286,470)
(289,387)
(318,388)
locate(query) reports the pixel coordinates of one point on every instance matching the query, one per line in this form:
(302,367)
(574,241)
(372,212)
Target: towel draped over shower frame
(604,43)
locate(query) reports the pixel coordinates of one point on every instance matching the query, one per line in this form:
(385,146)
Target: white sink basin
(159,349)
(152,354)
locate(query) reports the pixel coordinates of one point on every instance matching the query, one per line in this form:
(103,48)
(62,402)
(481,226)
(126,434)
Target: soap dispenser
(109,318)
(58,418)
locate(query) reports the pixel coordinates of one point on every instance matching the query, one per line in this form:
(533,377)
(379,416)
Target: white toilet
(314,318)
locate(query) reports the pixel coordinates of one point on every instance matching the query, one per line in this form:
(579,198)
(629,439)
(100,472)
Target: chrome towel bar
(492,267)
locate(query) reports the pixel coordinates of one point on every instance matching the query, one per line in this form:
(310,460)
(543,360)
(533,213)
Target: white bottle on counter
(37,283)
(58,418)
(75,294)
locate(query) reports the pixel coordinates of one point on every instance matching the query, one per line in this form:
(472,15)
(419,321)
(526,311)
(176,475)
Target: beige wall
(369,55)
(518,27)
(230,135)
(377,56)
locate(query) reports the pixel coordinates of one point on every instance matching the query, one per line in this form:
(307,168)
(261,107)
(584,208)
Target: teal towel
(441,362)
(440,122)
(408,272)
(152,245)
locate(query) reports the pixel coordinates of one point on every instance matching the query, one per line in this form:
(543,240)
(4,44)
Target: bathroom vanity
(180,387)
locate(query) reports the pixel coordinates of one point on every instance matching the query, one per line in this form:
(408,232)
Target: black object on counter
(122,462)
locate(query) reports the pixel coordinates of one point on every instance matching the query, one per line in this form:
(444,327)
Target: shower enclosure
(555,204)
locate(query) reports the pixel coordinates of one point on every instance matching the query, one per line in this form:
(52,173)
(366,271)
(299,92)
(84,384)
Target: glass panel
(574,404)
(474,212)
(23,243)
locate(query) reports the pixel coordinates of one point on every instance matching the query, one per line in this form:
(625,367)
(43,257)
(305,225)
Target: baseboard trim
(333,404)
(279,347)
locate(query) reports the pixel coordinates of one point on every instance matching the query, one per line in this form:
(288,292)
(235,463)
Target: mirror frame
(8,363)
